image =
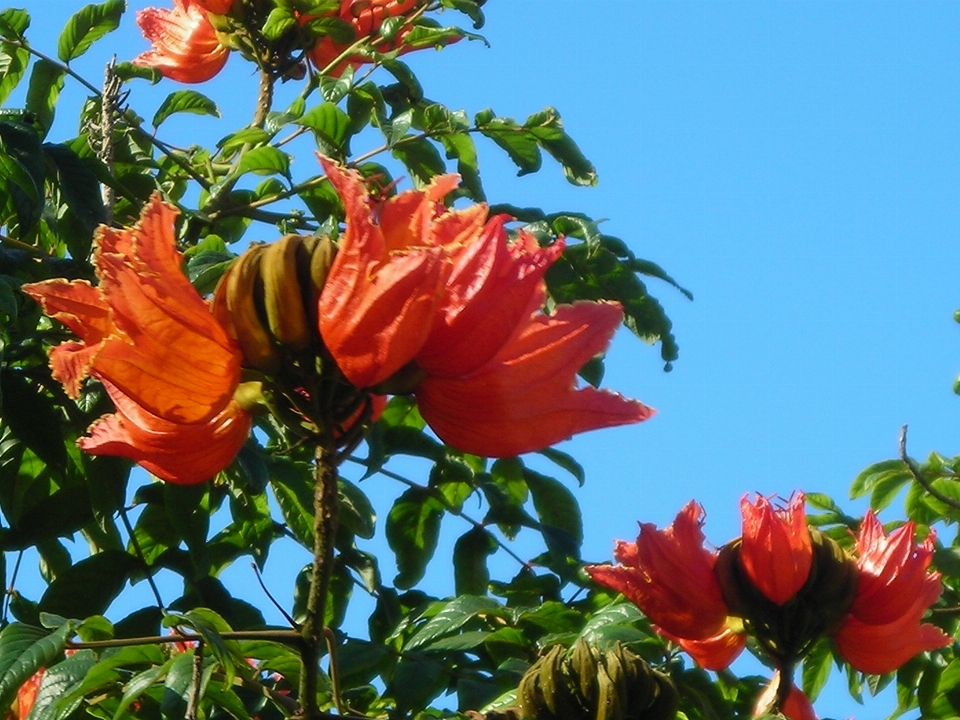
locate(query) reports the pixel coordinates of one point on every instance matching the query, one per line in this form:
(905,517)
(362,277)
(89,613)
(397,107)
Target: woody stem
(325,502)
(264,98)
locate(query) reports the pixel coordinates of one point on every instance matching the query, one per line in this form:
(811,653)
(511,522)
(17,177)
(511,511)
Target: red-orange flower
(777,552)
(366,17)
(669,575)
(441,294)
(220,7)
(894,590)
(26,697)
(167,364)
(185,45)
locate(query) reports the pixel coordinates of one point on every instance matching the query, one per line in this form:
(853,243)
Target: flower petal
(525,397)
(879,649)
(492,292)
(777,552)
(185,45)
(181,453)
(713,653)
(669,575)
(377,307)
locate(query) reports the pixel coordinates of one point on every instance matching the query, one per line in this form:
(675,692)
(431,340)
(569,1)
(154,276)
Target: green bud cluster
(586,684)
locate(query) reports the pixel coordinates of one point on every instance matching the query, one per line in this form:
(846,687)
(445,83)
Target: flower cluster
(169,367)
(435,302)
(188,49)
(784,583)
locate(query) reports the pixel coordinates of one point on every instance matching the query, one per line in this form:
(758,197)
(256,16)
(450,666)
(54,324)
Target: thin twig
(286,616)
(918,476)
(11,588)
(334,669)
(452,509)
(285,637)
(141,557)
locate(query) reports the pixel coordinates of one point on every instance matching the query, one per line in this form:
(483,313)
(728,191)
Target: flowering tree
(380,321)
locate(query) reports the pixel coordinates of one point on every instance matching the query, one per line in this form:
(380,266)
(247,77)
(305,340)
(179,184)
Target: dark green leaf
(128,71)
(460,146)
(567,462)
(46,82)
(547,127)
(421,158)
(185,101)
(470,554)
(88,587)
(415,682)
(32,416)
(519,143)
(87,26)
(356,511)
(206,268)
(556,506)
(413,528)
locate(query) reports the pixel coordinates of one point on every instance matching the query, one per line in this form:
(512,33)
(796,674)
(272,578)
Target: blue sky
(794,164)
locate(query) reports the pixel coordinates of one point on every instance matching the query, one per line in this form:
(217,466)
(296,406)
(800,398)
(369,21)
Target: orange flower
(366,17)
(669,575)
(26,697)
(185,45)
(440,294)
(894,590)
(167,364)
(777,552)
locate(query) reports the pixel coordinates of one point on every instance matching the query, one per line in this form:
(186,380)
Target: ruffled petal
(525,398)
(185,45)
(181,453)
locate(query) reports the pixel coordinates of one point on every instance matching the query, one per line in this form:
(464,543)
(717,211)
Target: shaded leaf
(413,528)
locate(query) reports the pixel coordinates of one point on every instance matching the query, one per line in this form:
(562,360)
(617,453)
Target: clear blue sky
(794,164)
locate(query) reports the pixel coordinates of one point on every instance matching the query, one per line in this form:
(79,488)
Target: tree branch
(918,476)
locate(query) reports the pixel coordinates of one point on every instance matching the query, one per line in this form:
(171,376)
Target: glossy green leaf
(185,101)
(46,82)
(470,553)
(547,128)
(356,511)
(555,504)
(265,160)
(460,146)
(421,158)
(24,649)
(278,22)
(87,26)
(451,617)
(517,141)
(330,124)
(413,528)
(36,421)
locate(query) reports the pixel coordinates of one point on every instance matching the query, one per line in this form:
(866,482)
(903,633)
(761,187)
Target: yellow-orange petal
(180,453)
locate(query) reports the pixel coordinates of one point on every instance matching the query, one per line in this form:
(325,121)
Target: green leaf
(865,481)
(178,685)
(36,421)
(13,66)
(127,71)
(460,146)
(24,649)
(185,101)
(13,23)
(292,484)
(421,158)
(247,136)
(413,528)
(86,27)
(46,82)
(89,586)
(64,685)
(451,617)
(470,554)
(265,160)
(519,143)
(567,462)
(334,89)
(279,21)
(817,665)
(415,682)
(547,128)
(330,124)
(556,506)
(206,268)
(356,511)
